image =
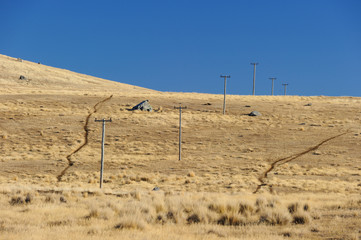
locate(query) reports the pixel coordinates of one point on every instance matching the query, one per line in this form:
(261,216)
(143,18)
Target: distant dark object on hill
(254,113)
(143,106)
(22,77)
(308,104)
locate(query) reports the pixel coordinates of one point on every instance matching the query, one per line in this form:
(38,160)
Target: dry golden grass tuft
(131,222)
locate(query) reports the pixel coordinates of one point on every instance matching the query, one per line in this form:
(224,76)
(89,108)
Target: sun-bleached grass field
(50,160)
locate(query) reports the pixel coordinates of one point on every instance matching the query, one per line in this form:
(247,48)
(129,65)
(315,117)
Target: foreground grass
(39,213)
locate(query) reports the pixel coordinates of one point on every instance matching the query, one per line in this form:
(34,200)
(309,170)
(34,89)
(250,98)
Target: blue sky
(184,45)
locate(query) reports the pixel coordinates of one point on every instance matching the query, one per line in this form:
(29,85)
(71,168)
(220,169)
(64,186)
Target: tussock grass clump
(301,218)
(50,199)
(299,213)
(59,223)
(306,207)
(231,220)
(262,211)
(98,211)
(94,230)
(246,209)
(131,222)
(194,218)
(226,211)
(101,214)
(292,208)
(273,217)
(136,195)
(20,200)
(17,200)
(62,199)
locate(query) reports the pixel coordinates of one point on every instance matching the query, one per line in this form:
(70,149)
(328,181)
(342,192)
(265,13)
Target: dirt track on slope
(86,137)
(282,161)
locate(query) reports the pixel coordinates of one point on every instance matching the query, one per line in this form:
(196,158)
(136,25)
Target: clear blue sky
(184,45)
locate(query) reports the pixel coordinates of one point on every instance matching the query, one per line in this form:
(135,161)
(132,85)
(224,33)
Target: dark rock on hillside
(143,106)
(254,113)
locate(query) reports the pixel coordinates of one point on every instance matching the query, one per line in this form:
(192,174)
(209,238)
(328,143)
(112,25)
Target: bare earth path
(288,159)
(86,136)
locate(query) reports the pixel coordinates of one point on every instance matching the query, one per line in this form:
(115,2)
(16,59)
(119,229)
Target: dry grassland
(48,133)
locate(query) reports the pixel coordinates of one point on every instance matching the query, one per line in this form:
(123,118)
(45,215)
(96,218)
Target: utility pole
(272,78)
(224,99)
(254,78)
(180,129)
(285,85)
(102,154)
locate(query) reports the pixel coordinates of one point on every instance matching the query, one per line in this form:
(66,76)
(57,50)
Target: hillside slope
(43,123)
(44,77)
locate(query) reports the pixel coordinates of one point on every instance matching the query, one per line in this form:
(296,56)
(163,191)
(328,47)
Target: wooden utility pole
(102,154)
(180,129)
(272,78)
(285,85)
(254,78)
(224,98)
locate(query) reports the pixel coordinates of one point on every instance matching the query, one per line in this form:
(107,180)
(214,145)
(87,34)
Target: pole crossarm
(180,107)
(103,120)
